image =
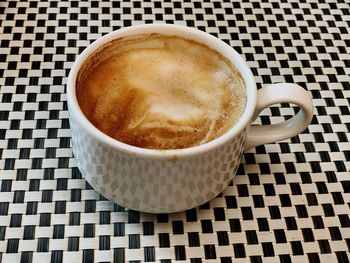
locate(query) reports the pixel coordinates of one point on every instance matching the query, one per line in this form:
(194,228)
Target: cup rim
(168,29)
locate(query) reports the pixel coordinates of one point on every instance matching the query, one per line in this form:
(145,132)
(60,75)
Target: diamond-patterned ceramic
(155,185)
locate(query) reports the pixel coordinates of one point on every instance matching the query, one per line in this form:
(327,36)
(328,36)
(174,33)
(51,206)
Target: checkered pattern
(289,200)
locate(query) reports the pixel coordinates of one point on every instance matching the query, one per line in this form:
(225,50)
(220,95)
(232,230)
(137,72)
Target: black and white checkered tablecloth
(289,200)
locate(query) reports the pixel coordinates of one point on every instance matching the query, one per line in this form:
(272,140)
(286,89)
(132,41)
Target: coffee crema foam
(160,92)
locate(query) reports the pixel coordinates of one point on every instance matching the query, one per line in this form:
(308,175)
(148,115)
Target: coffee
(160,92)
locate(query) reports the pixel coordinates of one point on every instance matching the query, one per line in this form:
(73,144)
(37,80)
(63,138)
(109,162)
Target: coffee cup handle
(280,93)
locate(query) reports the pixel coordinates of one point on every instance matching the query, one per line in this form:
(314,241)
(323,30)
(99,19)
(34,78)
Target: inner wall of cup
(93,61)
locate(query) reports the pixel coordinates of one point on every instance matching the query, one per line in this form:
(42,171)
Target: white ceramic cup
(175,180)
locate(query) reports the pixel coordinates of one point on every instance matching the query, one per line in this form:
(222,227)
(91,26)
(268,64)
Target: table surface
(289,200)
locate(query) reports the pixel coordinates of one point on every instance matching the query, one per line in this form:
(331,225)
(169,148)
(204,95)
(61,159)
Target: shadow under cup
(156,181)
